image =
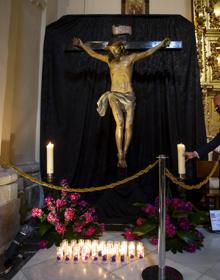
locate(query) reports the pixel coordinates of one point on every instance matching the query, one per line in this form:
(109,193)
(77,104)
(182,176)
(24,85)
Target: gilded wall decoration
(134,7)
(206,14)
(213,60)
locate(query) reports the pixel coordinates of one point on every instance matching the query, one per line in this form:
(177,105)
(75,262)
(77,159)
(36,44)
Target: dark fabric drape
(168,108)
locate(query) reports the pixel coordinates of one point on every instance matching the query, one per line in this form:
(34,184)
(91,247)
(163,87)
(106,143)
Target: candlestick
(181,159)
(50,150)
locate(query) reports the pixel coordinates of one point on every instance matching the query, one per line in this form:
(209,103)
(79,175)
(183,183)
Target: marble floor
(202,265)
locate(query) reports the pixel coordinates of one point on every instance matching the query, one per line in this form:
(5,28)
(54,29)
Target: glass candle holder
(131,250)
(60,254)
(140,250)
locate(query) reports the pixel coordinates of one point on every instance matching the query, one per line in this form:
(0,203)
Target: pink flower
(128,235)
(177,203)
(184,224)
(188,206)
(78,227)
(168,201)
(170,230)
(91,210)
(83,204)
(48,199)
(140,221)
(74,197)
(154,240)
(51,206)
(42,244)
(60,202)
(191,247)
(60,228)
(64,183)
(37,212)
(88,217)
(52,218)
(149,210)
(69,214)
(90,231)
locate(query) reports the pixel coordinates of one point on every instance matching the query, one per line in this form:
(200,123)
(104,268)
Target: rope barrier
(168,174)
(191,187)
(81,190)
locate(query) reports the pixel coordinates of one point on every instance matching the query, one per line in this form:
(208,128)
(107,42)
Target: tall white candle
(50,150)
(181,158)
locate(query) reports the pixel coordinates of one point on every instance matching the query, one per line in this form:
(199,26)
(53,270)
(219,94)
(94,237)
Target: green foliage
(182,221)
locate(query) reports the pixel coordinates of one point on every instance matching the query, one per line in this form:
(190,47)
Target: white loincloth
(126,101)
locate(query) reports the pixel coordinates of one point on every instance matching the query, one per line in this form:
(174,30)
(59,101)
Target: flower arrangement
(66,217)
(181,222)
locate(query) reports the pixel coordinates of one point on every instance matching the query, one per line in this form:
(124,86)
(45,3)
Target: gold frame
(207,31)
(135,7)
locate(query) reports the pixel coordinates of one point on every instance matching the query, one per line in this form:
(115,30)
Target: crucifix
(121,97)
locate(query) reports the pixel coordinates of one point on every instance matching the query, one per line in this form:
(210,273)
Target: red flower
(90,231)
(128,235)
(78,227)
(170,230)
(88,217)
(48,199)
(74,197)
(149,210)
(184,223)
(37,212)
(42,244)
(154,240)
(69,214)
(52,218)
(60,228)
(60,202)
(191,248)
(140,221)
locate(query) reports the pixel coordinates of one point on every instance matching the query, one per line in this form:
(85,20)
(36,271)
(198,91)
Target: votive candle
(140,250)
(131,250)
(59,254)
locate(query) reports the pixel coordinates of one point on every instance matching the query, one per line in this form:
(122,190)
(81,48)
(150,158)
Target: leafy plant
(181,222)
(66,217)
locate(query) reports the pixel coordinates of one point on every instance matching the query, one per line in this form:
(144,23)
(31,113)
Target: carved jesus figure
(121,97)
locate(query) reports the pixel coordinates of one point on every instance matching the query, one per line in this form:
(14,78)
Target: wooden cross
(136,45)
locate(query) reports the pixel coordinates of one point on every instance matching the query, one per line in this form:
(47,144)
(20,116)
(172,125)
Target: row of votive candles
(95,249)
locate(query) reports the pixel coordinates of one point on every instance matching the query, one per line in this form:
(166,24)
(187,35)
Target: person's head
(217,102)
(116,49)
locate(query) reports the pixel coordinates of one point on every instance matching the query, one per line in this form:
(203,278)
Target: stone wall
(31,194)
(9,207)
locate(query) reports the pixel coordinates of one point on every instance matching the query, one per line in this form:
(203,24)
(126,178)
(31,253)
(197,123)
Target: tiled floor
(202,265)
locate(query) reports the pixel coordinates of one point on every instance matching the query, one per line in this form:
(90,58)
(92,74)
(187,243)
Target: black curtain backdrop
(168,108)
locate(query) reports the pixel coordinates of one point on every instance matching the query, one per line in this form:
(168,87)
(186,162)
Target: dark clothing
(205,149)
